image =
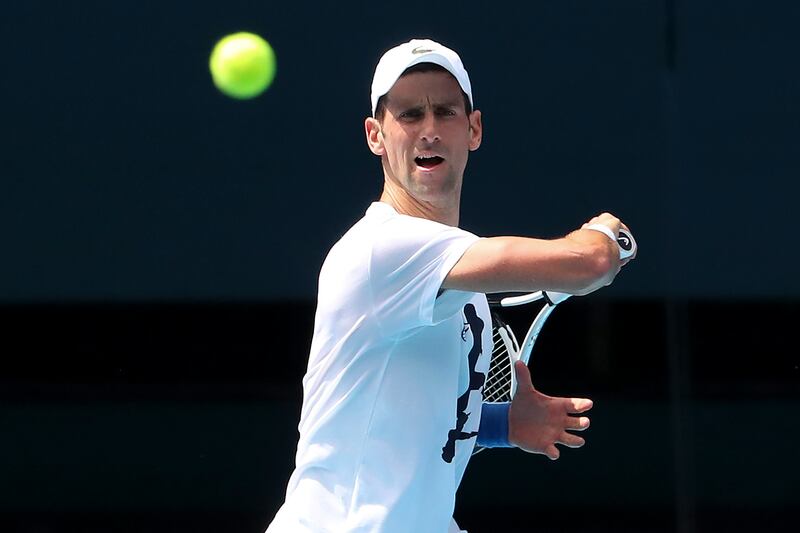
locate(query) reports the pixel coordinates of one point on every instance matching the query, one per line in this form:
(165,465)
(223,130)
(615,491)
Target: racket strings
(498,380)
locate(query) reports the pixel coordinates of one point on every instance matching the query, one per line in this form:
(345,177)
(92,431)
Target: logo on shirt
(476,380)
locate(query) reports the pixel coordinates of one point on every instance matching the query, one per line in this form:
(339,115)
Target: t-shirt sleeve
(410,259)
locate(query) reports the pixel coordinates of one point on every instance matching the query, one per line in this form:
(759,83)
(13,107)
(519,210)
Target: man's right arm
(582,262)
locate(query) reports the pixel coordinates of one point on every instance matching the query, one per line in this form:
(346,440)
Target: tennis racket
(501,382)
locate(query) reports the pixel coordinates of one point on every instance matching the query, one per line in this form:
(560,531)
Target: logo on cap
(421,50)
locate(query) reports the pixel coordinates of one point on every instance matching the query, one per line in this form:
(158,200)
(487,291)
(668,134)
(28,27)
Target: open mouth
(428,162)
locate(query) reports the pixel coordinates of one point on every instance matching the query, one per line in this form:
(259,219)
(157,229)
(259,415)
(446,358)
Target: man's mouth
(428,162)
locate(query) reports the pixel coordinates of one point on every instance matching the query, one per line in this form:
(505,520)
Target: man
(402,339)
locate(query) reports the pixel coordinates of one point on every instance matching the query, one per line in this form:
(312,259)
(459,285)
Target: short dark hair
(380,106)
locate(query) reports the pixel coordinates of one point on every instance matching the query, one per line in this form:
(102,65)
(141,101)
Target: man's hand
(614,224)
(608,220)
(536,422)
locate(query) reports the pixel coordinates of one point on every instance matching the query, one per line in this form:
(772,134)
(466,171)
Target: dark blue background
(127,176)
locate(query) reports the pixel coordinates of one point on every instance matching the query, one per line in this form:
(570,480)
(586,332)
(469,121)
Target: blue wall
(126,176)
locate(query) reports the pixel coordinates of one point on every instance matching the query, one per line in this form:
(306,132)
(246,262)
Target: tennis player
(392,404)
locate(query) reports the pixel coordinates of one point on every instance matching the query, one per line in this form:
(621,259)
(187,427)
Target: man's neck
(405,204)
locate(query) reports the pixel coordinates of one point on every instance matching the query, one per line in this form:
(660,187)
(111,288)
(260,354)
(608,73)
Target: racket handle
(626,243)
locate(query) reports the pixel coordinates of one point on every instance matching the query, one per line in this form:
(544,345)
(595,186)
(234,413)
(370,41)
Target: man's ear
(374,135)
(475,130)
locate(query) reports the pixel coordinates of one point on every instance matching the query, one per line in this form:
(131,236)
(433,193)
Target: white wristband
(602,228)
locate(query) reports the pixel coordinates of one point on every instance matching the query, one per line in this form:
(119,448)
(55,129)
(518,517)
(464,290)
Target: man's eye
(410,114)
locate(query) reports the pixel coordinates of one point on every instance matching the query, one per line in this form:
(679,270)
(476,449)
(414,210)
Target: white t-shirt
(392,395)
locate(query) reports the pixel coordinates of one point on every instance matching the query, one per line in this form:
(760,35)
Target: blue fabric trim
(493,430)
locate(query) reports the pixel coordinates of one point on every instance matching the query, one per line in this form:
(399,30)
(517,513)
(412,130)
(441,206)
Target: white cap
(398,59)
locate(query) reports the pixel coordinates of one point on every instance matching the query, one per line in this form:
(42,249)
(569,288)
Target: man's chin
(432,188)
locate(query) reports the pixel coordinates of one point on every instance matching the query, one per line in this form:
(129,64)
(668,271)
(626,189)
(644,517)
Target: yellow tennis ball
(242,65)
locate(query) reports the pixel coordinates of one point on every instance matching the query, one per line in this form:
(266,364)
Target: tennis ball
(242,65)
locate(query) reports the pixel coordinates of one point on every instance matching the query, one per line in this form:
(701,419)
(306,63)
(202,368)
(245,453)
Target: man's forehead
(419,88)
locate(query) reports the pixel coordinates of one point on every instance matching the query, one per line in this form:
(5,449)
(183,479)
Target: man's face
(426,136)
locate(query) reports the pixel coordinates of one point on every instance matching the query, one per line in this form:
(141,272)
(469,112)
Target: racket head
(501,380)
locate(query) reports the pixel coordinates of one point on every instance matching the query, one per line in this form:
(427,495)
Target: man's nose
(429,132)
